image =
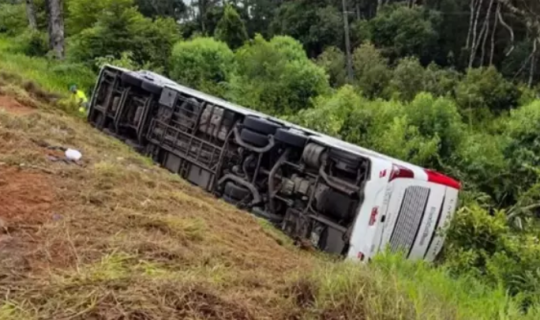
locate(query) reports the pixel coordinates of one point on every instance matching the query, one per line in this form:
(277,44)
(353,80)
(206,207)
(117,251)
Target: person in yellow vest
(80,98)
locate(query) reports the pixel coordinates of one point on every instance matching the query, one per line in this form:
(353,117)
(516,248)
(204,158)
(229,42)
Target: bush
(120,28)
(437,118)
(276,76)
(33,43)
(202,63)
(330,113)
(400,30)
(484,246)
(485,88)
(371,70)
(407,79)
(83,14)
(12,18)
(333,61)
(231,29)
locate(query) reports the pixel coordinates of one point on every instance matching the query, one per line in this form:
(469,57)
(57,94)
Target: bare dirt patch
(25,196)
(11,105)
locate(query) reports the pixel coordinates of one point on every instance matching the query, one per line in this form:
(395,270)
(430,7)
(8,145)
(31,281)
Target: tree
(161,8)
(202,63)
(332,60)
(31,14)
(330,112)
(231,28)
(485,88)
(407,79)
(276,76)
(12,19)
(56,27)
(404,31)
(371,70)
(296,19)
(121,28)
(83,14)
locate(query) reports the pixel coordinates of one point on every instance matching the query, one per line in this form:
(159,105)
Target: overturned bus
(337,196)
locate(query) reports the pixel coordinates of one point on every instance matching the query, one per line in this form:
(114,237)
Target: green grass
(136,242)
(53,76)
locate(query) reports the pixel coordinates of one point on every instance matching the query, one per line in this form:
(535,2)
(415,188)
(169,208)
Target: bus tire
(254,138)
(131,79)
(290,138)
(260,125)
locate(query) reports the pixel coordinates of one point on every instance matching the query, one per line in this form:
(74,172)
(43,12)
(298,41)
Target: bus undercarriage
(276,171)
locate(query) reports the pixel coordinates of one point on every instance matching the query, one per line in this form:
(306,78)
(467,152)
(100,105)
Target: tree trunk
(56,27)
(31,14)
(474,44)
(510,30)
(350,74)
(497,13)
(486,34)
(472,5)
(533,64)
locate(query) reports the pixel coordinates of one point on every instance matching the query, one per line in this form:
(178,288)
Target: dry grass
(124,239)
(121,238)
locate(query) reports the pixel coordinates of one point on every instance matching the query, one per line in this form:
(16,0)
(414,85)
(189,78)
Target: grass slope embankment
(118,238)
(51,75)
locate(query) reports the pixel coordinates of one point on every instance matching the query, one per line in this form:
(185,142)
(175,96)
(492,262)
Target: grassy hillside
(116,237)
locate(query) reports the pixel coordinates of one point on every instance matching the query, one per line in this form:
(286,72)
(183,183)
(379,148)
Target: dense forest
(446,84)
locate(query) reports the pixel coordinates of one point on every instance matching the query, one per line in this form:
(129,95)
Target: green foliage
(156,8)
(231,28)
(52,75)
(394,288)
(333,61)
(33,43)
(437,117)
(481,165)
(401,30)
(330,112)
(296,19)
(440,81)
(523,150)
(485,88)
(484,246)
(202,63)
(125,61)
(12,18)
(120,28)
(83,14)
(276,76)
(371,70)
(407,79)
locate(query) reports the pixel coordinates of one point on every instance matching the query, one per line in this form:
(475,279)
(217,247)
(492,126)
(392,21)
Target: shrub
(330,113)
(202,63)
(231,29)
(371,70)
(33,43)
(120,28)
(403,31)
(12,18)
(276,76)
(407,79)
(486,88)
(333,61)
